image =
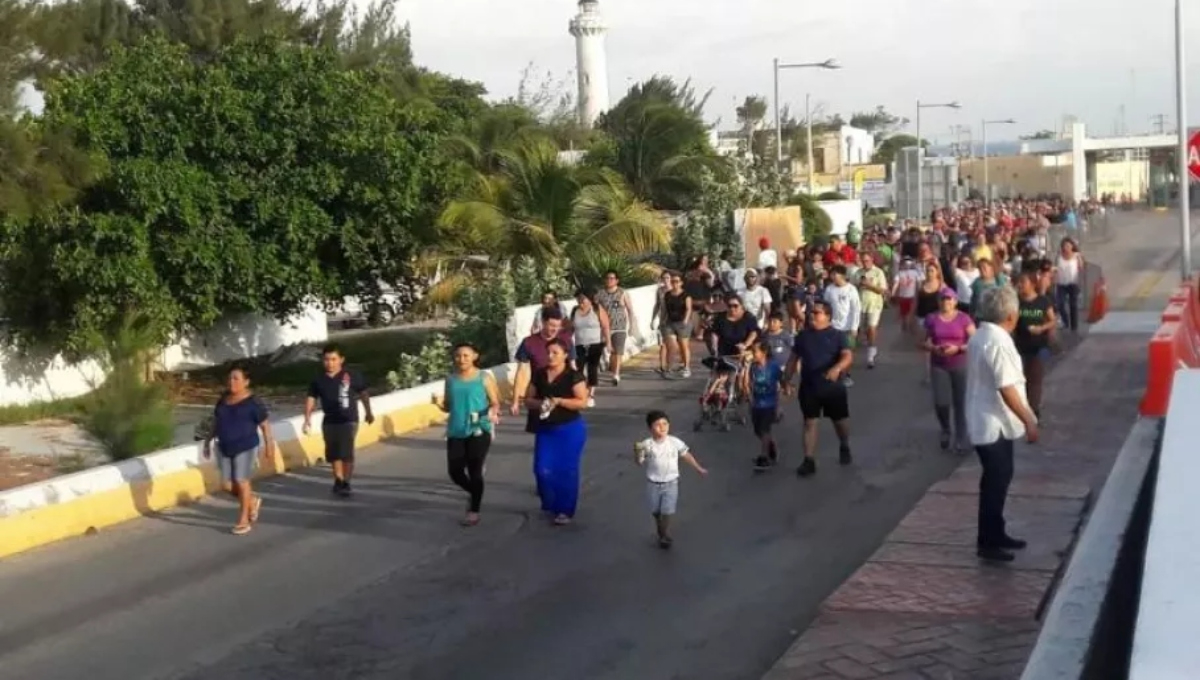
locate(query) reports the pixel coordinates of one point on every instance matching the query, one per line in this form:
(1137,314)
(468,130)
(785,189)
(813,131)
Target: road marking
(1149,283)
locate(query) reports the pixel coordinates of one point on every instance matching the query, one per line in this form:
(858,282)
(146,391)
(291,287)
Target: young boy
(762,382)
(338,391)
(780,341)
(660,454)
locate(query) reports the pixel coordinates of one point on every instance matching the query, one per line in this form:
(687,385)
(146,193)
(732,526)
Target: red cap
(764,243)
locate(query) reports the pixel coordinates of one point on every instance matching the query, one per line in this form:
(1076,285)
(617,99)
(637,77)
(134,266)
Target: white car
(355,311)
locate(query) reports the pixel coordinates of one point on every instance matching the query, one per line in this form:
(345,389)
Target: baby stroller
(722,393)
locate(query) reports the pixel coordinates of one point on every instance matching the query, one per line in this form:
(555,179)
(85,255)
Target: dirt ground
(21,470)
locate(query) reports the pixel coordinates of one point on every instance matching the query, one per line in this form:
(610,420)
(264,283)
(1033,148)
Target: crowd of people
(984,291)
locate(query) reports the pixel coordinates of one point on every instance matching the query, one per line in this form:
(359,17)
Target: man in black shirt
(338,390)
(1035,326)
(822,356)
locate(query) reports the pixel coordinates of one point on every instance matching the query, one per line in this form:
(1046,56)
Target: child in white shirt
(660,454)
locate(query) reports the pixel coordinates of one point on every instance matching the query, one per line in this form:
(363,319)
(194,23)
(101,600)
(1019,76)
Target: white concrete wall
(30,380)
(842,213)
(642,299)
(1164,640)
(857,145)
(245,336)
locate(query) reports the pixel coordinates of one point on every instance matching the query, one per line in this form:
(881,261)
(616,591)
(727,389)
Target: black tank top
(927,303)
(675,306)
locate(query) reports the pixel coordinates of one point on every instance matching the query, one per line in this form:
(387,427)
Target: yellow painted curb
(88,514)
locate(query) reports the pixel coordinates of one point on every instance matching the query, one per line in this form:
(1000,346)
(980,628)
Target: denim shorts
(239,467)
(663,496)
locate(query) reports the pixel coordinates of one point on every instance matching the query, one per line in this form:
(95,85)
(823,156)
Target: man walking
(621,321)
(339,391)
(997,415)
(872,286)
(822,356)
(845,310)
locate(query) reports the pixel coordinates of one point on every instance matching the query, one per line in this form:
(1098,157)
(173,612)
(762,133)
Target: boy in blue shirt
(762,381)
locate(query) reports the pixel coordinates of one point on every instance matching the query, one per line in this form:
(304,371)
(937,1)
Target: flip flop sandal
(255,508)
(241,529)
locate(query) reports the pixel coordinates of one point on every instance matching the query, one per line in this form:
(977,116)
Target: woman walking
(472,401)
(947,333)
(988,279)
(929,296)
(676,327)
(558,394)
(1067,279)
(591,339)
(238,419)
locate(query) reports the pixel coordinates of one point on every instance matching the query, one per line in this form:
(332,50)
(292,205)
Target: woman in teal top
(472,401)
(988,278)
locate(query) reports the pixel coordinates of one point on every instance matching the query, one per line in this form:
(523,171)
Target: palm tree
(536,206)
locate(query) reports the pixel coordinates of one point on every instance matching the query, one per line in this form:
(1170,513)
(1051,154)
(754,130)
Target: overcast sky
(1033,60)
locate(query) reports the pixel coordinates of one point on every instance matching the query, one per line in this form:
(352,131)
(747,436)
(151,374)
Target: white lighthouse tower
(589,29)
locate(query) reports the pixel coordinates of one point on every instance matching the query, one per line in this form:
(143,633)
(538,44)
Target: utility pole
(1160,123)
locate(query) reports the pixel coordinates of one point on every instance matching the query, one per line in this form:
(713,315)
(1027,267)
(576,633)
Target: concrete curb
(83,503)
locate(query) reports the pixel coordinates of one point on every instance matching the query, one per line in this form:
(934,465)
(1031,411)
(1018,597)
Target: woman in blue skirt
(558,394)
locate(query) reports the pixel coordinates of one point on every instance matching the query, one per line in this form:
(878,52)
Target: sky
(1035,61)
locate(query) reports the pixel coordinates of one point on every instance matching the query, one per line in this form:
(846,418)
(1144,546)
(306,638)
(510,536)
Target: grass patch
(373,353)
(63,409)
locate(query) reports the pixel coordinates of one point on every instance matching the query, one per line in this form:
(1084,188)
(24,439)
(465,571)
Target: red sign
(1194,155)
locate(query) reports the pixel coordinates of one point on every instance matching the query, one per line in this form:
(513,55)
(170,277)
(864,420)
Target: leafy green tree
(1040,134)
(889,148)
(878,122)
(16,18)
(256,182)
(816,222)
(656,138)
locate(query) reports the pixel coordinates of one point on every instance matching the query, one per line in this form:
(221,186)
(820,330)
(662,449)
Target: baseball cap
(948,293)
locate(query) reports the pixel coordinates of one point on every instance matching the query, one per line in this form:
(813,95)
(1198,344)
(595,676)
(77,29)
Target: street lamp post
(987,184)
(1185,228)
(921,154)
(828,65)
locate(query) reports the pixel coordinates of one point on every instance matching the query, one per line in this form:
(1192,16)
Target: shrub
(128,415)
(429,364)
(817,224)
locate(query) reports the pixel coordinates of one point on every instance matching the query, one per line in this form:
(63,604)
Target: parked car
(356,311)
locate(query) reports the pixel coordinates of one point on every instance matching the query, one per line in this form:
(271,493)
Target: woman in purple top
(946,336)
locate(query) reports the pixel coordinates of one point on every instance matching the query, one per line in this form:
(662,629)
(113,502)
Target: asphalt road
(388,586)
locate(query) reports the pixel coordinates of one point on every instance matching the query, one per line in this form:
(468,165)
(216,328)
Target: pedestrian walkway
(923,607)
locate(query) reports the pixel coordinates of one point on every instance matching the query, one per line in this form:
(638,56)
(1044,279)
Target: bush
(481,316)
(831,196)
(128,415)
(430,364)
(817,224)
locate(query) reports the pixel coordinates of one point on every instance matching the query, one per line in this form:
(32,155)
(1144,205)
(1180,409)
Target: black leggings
(464,459)
(589,357)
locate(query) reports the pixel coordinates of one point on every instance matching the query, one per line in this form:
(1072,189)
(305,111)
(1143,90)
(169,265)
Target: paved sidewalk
(923,607)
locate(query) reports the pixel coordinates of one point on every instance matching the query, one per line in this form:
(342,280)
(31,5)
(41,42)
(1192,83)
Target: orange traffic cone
(1099,306)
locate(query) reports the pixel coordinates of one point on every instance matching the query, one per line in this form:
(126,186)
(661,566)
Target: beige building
(838,156)
(1052,174)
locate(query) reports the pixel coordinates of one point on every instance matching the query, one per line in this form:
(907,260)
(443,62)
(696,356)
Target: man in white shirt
(845,309)
(997,414)
(756,298)
(767,257)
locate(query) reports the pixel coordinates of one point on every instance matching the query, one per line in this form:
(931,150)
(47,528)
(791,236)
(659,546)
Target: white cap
(751,272)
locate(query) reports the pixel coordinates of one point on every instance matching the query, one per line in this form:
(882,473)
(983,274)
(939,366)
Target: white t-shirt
(757,301)
(768,258)
(907,281)
(1067,271)
(846,307)
(992,364)
(662,458)
(963,279)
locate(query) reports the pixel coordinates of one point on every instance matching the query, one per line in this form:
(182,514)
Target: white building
(592,61)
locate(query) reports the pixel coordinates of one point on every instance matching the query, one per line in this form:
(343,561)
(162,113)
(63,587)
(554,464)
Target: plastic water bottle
(344,396)
(547,407)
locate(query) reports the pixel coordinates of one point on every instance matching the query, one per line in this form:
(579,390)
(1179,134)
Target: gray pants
(950,393)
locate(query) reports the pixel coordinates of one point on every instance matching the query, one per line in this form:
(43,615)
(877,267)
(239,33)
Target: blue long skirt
(557,453)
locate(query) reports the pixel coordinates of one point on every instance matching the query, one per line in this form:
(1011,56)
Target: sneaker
(344,492)
(591,402)
(337,487)
(847,382)
(762,463)
(685,373)
(844,457)
(1010,543)
(616,380)
(870,364)
(808,468)
(665,542)
(944,441)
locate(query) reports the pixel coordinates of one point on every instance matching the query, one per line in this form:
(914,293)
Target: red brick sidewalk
(923,607)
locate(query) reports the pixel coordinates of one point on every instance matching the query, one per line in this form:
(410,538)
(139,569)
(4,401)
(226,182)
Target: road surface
(388,586)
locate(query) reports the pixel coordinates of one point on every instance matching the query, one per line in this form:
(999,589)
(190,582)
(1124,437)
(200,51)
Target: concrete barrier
(84,502)
(1174,346)
(1165,640)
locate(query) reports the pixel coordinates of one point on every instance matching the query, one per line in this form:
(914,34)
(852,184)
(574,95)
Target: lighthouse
(592,63)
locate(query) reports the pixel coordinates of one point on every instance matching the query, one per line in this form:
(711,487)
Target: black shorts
(339,441)
(762,419)
(828,401)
